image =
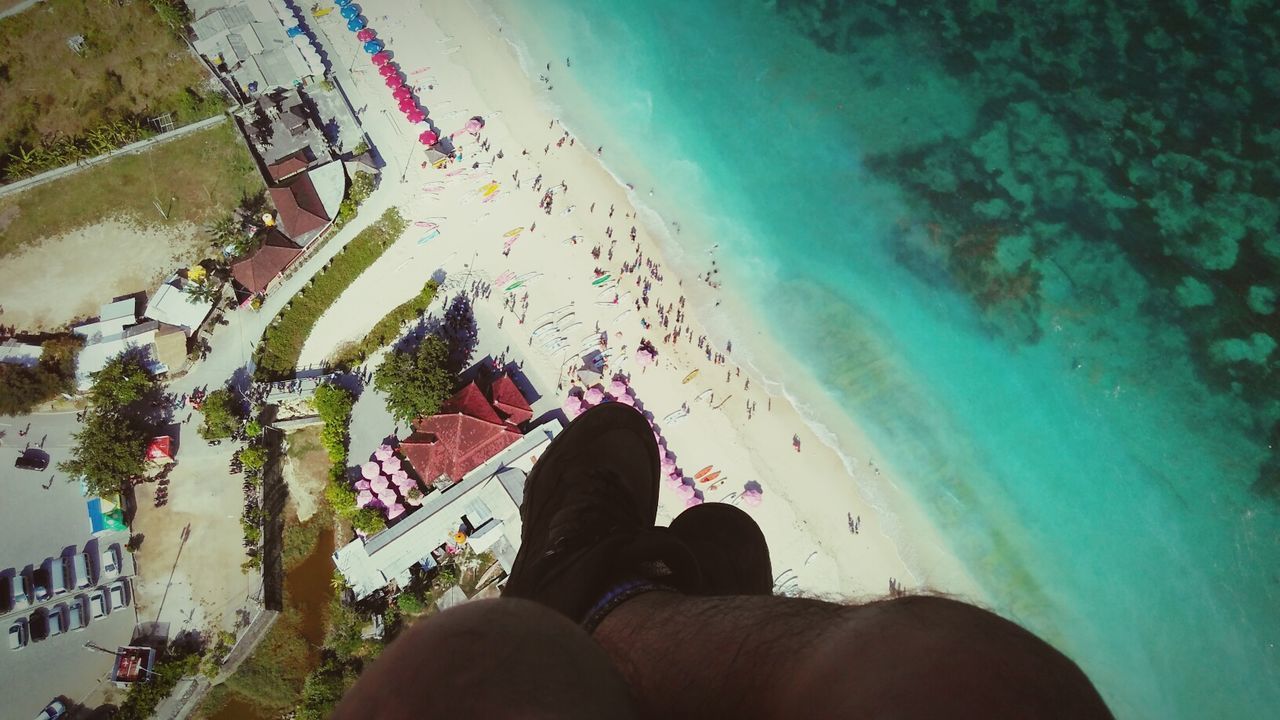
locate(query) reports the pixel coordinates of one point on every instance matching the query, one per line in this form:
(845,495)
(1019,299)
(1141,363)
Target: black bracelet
(615,597)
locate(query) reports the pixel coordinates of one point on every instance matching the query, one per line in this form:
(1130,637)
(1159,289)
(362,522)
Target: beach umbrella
(357,23)
(414,499)
(644,357)
(381,58)
(342,3)
(401,477)
(595,395)
(406,105)
(349,11)
(394,510)
(373,47)
(618,387)
(428,138)
(364,499)
(475,124)
(685,491)
(668,465)
(404,92)
(692,500)
(752,497)
(394,81)
(572,407)
(391,464)
(416,115)
(388,70)
(625,399)
(673,482)
(366,35)
(362,485)
(369,470)
(387,497)
(383,452)
(378,484)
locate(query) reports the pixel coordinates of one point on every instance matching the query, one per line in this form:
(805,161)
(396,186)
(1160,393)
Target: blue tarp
(96,522)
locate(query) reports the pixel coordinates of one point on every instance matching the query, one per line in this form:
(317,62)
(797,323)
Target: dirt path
(70,276)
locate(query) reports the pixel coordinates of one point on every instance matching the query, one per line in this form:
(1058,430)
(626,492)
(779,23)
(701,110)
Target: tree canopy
(111,446)
(22,388)
(418,381)
(121,382)
(222,414)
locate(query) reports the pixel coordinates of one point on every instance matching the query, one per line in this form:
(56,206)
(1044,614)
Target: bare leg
(493,658)
(773,657)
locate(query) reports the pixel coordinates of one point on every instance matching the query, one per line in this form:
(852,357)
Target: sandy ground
(809,496)
(196,584)
(305,471)
(72,275)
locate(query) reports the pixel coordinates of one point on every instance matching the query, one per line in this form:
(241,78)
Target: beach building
(285,132)
(20,353)
(482,507)
(172,305)
(259,271)
(258,44)
(117,331)
(473,458)
(307,203)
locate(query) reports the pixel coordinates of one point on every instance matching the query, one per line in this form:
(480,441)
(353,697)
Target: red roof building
(256,272)
(467,431)
(299,207)
(509,401)
(288,165)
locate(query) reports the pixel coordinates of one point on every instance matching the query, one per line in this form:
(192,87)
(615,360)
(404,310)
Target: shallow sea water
(1044,385)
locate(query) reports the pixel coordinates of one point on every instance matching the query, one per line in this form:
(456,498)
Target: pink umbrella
(394,81)
(625,399)
(428,138)
(388,70)
(644,357)
(572,407)
(685,491)
(366,35)
(379,484)
(668,464)
(362,485)
(391,464)
(675,474)
(674,482)
(381,58)
(752,497)
(403,92)
(618,388)
(594,396)
(394,510)
(407,105)
(692,500)
(474,125)
(369,470)
(416,115)
(400,477)
(387,497)
(384,451)
(364,499)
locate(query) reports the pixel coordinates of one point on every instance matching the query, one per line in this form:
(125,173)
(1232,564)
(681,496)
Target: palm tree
(226,230)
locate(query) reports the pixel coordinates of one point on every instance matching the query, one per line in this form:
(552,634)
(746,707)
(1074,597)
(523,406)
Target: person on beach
(606,615)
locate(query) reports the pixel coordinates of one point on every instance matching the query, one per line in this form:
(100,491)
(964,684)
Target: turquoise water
(1035,256)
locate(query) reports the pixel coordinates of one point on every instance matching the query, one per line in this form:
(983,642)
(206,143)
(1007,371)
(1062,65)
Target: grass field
(194,179)
(132,66)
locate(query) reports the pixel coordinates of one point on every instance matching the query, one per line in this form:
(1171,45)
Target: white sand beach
(462,218)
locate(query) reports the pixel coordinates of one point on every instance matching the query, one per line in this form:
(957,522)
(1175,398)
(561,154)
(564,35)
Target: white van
(60,575)
(83,570)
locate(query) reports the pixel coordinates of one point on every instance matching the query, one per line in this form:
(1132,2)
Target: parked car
(83,570)
(38,625)
(18,635)
(119,595)
(41,581)
(111,561)
(57,619)
(60,579)
(53,711)
(78,615)
(98,604)
(31,461)
(20,590)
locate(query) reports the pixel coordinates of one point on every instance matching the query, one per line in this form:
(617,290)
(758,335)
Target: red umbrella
(428,138)
(388,70)
(366,35)
(394,82)
(406,105)
(403,93)
(416,115)
(381,58)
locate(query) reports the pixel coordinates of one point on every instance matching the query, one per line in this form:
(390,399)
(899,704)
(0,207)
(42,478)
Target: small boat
(702,472)
(689,377)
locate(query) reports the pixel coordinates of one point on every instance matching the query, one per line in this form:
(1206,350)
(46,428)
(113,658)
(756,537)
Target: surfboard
(514,232)
(710,477)
(600,280)
(689,377)
(702,472)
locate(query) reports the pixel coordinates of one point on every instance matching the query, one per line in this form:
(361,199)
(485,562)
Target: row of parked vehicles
(58,576)
(65,617)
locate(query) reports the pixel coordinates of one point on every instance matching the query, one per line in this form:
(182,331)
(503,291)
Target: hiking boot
(729,549)
(589,508)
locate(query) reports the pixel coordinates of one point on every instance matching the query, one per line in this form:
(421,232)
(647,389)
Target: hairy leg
(491,658)
(774,657)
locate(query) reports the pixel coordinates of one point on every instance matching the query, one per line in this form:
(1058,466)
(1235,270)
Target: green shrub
(144,697)
(222,414)
(253,458)
(410,604)
(386,330)
(277,354)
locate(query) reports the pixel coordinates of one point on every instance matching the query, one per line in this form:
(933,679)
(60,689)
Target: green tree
(333,404)
(123,381)
(253,458)
(222,414)
(410,603)
(23,388)
(225,230)
(143,697)
(108,450)
(416,382)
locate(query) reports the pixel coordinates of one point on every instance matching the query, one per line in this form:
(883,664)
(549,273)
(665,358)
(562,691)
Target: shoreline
(805,521)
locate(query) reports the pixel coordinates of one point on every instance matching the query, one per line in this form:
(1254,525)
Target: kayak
(514,232)
(689,377)
(702,472)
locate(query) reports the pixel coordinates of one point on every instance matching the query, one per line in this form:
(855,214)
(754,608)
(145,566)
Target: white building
(485,504)
(172,305)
